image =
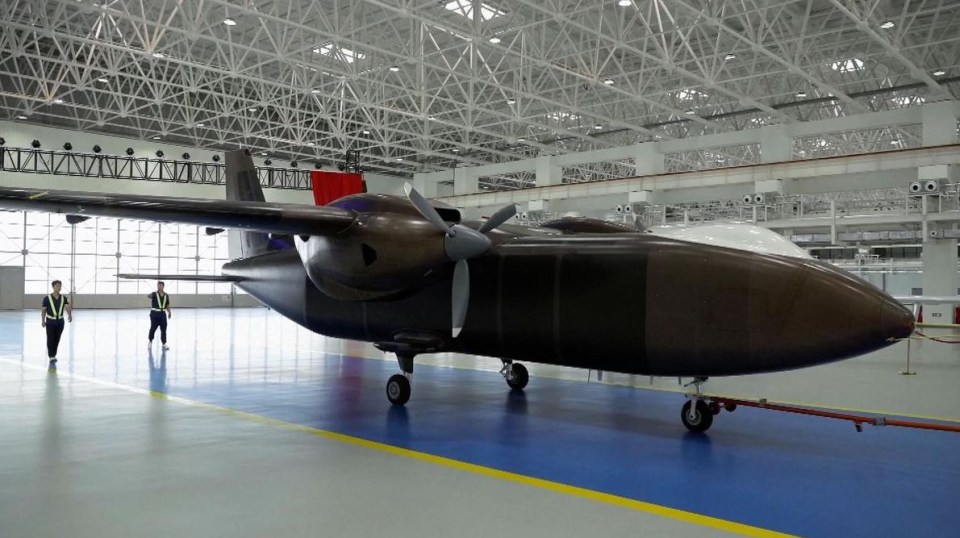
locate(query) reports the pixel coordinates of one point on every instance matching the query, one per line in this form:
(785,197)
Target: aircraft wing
(294,219)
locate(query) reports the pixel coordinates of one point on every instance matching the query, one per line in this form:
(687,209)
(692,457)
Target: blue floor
(794,474)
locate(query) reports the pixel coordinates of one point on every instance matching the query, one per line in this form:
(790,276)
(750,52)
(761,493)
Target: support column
(775,145)
(939,277)
(648,159)
(427,183)
(548,171)
(939,128)
(465,181)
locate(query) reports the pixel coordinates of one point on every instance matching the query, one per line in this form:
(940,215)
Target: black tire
(519,378)
(398,389)
(714,408)
(702,420)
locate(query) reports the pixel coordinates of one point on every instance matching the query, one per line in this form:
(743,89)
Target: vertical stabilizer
(243,185)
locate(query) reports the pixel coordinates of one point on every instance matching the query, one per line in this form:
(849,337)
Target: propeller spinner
(460,243)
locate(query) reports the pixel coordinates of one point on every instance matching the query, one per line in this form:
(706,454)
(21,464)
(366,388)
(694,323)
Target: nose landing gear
(697,414)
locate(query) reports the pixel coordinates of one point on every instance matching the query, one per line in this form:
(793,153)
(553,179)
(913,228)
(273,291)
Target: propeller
(460,244)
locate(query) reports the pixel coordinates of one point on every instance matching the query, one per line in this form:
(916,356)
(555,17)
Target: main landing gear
(398,386)
(697,414)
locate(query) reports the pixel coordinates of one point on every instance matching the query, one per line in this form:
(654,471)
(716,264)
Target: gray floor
(84,457)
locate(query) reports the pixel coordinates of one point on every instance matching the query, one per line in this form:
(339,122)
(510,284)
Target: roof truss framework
(417,87)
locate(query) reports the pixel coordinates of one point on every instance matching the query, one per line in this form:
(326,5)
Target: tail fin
(244,185)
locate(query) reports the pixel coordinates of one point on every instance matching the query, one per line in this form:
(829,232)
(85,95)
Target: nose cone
(896,321)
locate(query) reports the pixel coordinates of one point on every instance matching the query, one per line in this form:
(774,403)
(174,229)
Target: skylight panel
(689,95)
(907,101)
(563,116)
(847,66)
(340,53)
(465,8)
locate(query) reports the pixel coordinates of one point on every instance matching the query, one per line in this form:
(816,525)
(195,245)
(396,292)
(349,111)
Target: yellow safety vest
(162,301)
(57,312)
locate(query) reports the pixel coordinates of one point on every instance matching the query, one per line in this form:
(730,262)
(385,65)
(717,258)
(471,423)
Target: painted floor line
(615,500)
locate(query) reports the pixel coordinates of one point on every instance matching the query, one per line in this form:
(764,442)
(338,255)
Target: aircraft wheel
(398,389)
(519,376)
(730,406)
(702,417)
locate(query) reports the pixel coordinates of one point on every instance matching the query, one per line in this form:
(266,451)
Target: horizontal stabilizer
(188,278)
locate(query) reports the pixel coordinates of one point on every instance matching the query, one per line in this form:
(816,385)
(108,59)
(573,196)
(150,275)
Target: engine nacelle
(378,255)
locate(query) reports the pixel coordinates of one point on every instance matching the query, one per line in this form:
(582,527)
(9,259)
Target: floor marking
(606,498)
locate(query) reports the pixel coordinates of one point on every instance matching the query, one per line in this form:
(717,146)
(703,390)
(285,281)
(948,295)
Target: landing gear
(697,413)
(398,386)
(697,418)
(516,374)
(398,389)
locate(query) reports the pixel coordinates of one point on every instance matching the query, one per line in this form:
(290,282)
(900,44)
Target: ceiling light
(252,109)
(887,25)
(521,140)
(801,95)
(21,117)
(608,81)
(895,142)
(494,40)
(465,8)
(366,131)
(730,57)
(58,101)
(939,73)
(315,91)
(511,101)
(399,159)
(394,68)
(455,150)
(624,3)
(199,125)
(158,55)
(229,22)
(156,137)
(103,80)
(690,112)
(598,126)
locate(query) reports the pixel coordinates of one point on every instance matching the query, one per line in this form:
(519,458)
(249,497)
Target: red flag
(330,186)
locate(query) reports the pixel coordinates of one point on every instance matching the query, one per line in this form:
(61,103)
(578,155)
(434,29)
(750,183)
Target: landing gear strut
(398,386)
(516,374)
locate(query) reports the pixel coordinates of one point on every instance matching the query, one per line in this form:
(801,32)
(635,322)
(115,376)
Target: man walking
(51,317)
(159,313)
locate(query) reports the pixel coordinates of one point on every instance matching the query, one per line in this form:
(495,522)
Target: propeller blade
(426,209)
(502,215)
(460,295)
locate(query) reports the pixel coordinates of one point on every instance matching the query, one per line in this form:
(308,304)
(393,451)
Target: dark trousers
(54,331)
(158,319)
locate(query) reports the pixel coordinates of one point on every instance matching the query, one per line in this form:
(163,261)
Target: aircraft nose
(896,320)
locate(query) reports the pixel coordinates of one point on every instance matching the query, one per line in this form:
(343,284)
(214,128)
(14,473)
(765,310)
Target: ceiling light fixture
(887,25)
(158,55)
(939,73)
(366,131)
(58,101)
(801,95)
(690,112)
(315,91)
(252,109)
(103,80)
(494,40)
(730,56)
(624,3)
(199,125)
(598,126)
(608,81)
(229,22)
(511,101)
(394,68)
(21,117)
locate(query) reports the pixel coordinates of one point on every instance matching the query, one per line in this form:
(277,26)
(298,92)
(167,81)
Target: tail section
(244,185)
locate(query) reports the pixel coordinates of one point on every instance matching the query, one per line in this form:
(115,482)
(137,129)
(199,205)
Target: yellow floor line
(615,500)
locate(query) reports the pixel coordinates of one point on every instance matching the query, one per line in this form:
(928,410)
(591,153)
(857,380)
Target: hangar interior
(833,123)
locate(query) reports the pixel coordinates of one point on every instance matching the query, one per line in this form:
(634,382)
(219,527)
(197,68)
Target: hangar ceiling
(423,85)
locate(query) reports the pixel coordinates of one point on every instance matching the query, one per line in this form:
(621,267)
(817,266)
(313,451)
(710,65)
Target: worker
(159,314)
(51,317)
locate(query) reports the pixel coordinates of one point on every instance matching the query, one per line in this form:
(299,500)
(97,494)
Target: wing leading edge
(257,216)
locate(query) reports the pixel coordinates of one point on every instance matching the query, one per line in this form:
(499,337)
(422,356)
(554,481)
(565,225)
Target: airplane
(411,277)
